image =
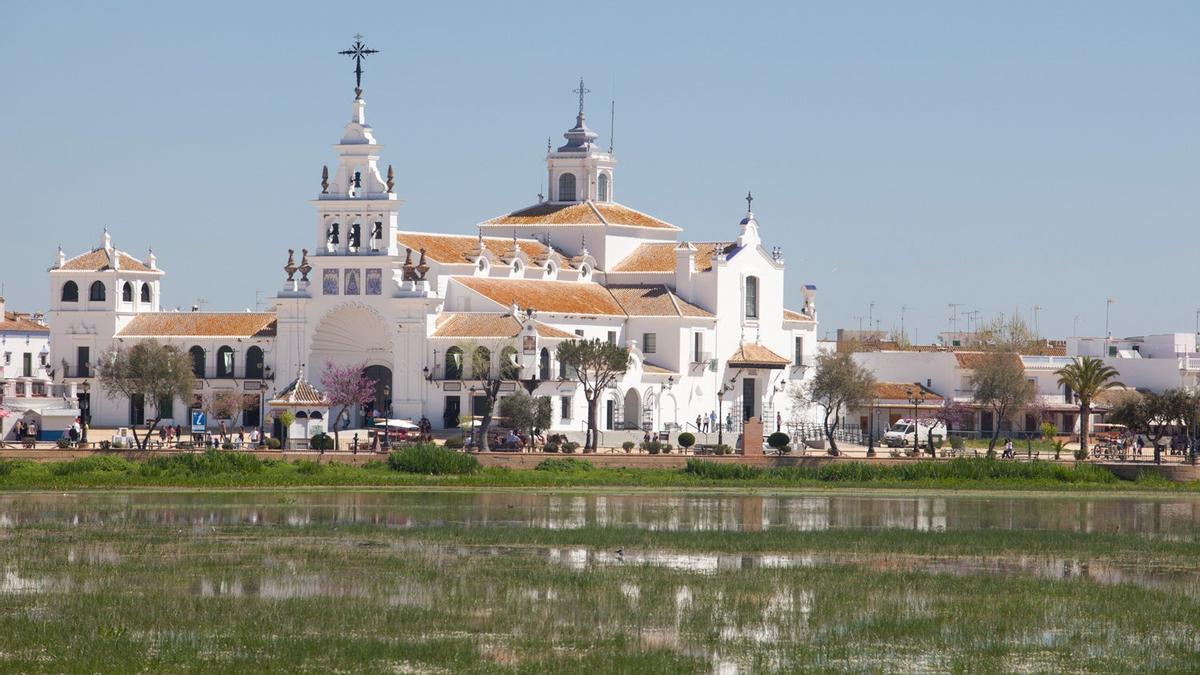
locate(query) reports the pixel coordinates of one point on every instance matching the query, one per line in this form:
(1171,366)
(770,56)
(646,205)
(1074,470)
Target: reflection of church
(704,321)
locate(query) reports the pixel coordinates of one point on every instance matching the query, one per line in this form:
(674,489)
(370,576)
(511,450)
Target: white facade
(704,321)
(27,388)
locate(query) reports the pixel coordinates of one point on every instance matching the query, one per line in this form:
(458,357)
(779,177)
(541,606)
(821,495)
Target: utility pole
(903,310)
(871,315)
(1036,310)
(860,328)
(954,316)
(1107,306)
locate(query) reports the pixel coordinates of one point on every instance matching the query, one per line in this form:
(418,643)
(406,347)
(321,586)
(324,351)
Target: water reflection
(1173,517)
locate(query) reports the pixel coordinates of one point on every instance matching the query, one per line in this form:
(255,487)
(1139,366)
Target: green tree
(838,384)
(595,364)
(150,370)
(526,413)
(1000,384)
(1087,376)
(489,378)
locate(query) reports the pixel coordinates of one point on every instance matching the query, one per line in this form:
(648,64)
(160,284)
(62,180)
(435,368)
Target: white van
(901,433)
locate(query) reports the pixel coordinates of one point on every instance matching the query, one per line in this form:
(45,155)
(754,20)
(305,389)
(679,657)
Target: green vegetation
(432,460)
(161,582)
(430,465)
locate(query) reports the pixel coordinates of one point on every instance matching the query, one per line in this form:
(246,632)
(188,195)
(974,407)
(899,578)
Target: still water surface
(1176,518)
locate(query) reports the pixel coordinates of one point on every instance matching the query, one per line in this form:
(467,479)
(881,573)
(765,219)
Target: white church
(704,321)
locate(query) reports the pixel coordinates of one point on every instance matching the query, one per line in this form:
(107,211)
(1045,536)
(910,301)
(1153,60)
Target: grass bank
(433,466)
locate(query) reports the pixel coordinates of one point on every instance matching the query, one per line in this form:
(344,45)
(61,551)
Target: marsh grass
(111,594)
(437,467)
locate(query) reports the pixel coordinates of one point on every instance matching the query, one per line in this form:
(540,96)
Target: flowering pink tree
(952,414)
(346,388)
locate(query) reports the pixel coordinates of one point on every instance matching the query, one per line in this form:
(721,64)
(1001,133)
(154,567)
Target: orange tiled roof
(791,315)
(660,256)
(473,325)
(581,213)
(19,321)
(97,260)
(299,393)
(559,297)
(201,324)
(752,355)
(455,248)
(651,369)
(653,301)
(899,391)
(975,359)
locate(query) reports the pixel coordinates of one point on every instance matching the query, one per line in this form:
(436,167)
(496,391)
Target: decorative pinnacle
(358,51)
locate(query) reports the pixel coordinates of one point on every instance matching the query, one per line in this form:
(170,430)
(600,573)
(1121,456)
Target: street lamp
(721,411)
(916,398)
(871,428)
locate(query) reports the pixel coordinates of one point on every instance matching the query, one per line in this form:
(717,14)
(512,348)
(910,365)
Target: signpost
(199,422)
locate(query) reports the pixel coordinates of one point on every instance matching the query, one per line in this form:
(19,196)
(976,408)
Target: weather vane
(358,51)
(581,91)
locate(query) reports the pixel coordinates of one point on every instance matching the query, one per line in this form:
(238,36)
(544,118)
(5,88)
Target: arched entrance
(632,417)
(382,375)
(353,334)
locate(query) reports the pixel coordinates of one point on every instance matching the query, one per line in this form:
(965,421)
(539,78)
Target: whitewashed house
(27,388)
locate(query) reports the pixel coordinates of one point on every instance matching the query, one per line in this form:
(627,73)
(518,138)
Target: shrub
(321,441)
(686,440)
(430,459)
(95,463)
(551,446)
(713,470)
(1081,454)
(723,449)
(227,446)
(63,443)
(564,464)
(628,446)
(958,442)
(1059,446)
(272,443)
(308,467)
(454,443)
(778,440)
(570,446)
(652,447)
(1048,431)
(208,463)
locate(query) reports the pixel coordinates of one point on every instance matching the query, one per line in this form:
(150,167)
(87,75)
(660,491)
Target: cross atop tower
(749,200)
(358,51)
(581,91)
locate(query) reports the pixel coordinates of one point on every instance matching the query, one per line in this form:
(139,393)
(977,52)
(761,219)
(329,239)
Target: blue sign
(199,421)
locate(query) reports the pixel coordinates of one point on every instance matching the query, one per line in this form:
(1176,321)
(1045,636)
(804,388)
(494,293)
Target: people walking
(728,421)
(712,420)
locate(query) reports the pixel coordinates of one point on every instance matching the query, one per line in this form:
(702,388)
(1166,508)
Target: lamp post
(916,397)
(721,411)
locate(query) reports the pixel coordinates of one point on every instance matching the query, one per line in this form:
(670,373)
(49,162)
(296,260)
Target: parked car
(901,433)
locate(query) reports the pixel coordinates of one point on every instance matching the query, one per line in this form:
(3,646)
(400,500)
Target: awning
(754,355)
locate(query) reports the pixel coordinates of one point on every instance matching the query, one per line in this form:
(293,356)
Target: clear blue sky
(998,155)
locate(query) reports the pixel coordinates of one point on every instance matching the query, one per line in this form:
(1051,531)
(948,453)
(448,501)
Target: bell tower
(357,208)
(580,170)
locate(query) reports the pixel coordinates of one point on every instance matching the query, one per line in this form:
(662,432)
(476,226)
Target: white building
(704,321)
(27,388)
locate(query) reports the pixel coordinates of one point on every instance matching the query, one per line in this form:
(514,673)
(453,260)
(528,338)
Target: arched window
(127,292)
(316,415)
(197,353)
(254,363)
(70,292)
(544,364)
(301,415)
(225,361)
(751,297)
(481,363)
(510,369)
(602,187)
(566,187)
(145,292)
(454,363)
(96,292)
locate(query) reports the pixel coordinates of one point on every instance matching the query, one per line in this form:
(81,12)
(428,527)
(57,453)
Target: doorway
(749,400)
(137,410)
(610,414)
(382,376)
(451,411)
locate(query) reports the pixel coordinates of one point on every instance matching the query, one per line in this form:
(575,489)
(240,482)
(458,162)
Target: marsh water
(375,552)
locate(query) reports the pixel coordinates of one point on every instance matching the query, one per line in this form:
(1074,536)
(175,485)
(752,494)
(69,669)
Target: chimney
(685,269)
(2,307)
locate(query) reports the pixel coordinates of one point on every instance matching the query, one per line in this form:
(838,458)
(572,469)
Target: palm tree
(1087,376)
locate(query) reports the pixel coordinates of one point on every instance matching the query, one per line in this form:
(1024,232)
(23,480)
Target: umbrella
(396,424)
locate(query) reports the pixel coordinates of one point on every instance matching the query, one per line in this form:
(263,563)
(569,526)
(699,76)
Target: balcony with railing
(1054,362)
